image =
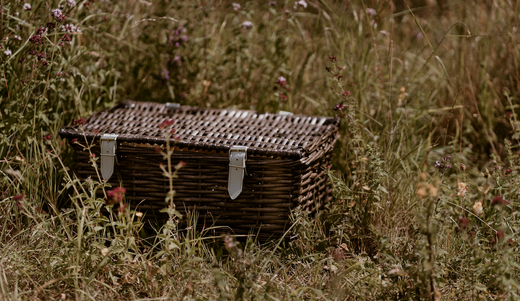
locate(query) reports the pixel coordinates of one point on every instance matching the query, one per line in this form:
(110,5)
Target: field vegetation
(426,173)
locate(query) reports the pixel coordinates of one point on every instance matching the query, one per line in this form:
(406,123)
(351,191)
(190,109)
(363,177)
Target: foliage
(425,176)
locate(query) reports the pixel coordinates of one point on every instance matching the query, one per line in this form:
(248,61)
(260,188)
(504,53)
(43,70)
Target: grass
(428,80)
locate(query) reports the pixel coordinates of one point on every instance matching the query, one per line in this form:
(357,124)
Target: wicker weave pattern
(212,129)
(285,167)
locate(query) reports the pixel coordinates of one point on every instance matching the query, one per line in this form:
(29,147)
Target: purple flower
(166,75)
(281,80)
(56,13)
(247,25)
(443,165)
(184,38)
(177,44)
(371,12)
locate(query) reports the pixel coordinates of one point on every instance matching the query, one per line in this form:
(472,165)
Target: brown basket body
(286,161)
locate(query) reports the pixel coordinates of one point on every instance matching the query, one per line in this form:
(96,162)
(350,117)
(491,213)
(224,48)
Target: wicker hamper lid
(305,138)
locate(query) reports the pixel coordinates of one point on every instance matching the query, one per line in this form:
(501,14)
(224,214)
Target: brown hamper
(285,167)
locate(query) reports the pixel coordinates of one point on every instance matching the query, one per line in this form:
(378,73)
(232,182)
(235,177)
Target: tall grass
(428,80)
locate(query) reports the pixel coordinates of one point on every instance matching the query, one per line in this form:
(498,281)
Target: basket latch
(108,155)
(237,168)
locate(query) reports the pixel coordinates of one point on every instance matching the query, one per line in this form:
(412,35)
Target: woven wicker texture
(285,167)
(211,129)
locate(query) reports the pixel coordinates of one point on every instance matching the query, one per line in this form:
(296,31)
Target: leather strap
(108,155)
(237,168)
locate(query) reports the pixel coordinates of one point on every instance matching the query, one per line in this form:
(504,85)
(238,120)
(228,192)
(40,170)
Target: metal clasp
(108,155)
(172,105)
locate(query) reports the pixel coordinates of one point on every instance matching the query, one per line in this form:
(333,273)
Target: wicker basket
(285,167)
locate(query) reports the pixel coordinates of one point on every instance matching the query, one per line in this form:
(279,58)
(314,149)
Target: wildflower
(463,189)
(463,223)
(477,208)
(177,59)
(44,64)
(247,25)
(443,165)
(328,69)
(42,31)
(18,197)
(332,58)
(62,79)
(70,28)
(51,25)
(27,6)
(346,93)
(17,38)
(48,137)
(16,14)
(71,3)
(340,76)
(24,81)
(41,56)
(21,60)
(8,52)
(80,121)
(166,75)
(371,12)
(339,107)
(236,6)
(229,243)
(36,39)
(508,114)
(139,214)
(75,140)
(281,80)
(166,122)
(184,38)
(301,3)
(56,13)
(283,97)
(177,45)
(92,156)
(498,200)
(33,52)
(95,131)
(173,131)
(272,3)
(115,195)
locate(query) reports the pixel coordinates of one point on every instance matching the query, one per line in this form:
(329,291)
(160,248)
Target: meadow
(425,174)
